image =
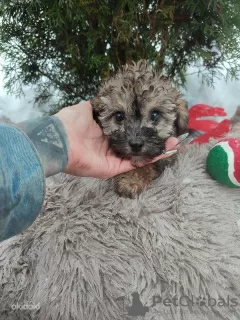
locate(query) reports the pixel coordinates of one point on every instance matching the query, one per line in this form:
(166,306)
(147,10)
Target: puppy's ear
(97,108)
(182,117)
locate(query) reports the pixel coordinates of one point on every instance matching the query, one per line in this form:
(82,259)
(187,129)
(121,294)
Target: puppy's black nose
(136,144)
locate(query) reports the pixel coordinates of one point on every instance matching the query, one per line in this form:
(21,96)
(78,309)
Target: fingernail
(182,137)
(170,152)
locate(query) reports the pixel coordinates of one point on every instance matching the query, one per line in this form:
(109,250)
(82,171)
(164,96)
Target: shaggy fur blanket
(172,254)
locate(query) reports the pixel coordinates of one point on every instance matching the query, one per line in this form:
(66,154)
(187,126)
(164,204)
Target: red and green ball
(223,162)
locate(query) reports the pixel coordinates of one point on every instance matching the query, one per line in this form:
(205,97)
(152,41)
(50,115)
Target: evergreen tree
(71,45)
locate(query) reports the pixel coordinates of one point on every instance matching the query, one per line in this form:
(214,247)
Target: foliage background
(67,47)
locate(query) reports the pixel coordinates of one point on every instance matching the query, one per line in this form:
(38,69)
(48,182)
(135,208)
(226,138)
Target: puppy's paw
(132,183)
(128,187)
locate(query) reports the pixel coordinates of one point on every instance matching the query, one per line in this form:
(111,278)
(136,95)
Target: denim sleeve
(22,182)
(29,152)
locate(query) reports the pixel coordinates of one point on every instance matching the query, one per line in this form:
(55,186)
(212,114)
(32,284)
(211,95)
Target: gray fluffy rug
(172,254)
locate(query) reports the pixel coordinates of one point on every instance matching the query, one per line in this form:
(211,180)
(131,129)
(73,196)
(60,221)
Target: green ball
(223,162)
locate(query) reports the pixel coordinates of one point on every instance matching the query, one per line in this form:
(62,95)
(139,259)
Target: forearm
(29,152)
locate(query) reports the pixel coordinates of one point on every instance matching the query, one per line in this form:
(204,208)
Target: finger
(171,143)
(126,166)
(163,156)
(122,166)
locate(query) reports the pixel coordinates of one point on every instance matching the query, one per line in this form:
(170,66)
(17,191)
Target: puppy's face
(139,111)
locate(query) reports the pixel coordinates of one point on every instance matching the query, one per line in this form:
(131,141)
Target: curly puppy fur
(138,109)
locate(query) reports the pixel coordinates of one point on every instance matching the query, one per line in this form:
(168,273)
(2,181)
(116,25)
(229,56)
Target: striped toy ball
(223,162)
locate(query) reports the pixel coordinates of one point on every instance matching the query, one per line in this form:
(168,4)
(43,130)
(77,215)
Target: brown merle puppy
(139,110)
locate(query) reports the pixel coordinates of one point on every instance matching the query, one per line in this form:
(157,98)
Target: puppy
(139,110)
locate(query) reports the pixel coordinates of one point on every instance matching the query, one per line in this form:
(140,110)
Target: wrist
(50,139)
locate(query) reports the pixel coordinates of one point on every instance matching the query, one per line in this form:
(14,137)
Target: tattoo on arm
(49,137)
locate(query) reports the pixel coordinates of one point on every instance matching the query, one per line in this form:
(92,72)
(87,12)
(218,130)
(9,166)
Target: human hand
(89,154)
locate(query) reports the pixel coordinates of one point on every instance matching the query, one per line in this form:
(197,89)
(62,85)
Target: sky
(226,95)
(17,109)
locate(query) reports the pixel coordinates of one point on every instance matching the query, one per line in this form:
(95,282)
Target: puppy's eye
(154,115)
(119,116)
